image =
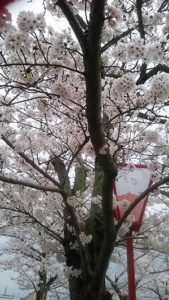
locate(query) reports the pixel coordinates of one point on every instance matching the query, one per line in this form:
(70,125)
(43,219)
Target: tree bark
(91,284)
(43,287)
(81,290)
(76,288)
(41,294)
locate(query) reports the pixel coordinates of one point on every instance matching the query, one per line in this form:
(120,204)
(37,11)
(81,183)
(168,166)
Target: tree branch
(165,193)
(52,280)
(114,286)
(139,3)
(72,19)
(40,65)
(29,184)
(140,18)
(164,6)
(92,61)
(151,119)
(151,73)
(48,230)
(33,164)
(96,22)
(114,40)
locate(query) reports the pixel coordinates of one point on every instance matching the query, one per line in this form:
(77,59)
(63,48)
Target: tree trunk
(80,290)
(41,294)
(76,288)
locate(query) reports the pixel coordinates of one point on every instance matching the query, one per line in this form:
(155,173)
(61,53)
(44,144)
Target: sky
(20,5)
(7,278)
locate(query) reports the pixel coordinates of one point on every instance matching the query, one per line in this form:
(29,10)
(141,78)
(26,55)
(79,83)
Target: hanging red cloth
(5,16)
(4,3)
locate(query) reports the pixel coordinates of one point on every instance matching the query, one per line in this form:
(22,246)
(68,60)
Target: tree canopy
(74,104)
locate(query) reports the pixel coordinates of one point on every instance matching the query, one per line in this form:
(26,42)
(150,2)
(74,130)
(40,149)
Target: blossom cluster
(124,204)
(60,90)
(113,16)
(15,40)
(71,272)
(160,87)
(123,84)
(138,50)
(85,239)
(27,21)
(104,149)
(125,228)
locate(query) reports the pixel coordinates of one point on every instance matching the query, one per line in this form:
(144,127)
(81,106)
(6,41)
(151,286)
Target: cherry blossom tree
(74,104)
(32,255)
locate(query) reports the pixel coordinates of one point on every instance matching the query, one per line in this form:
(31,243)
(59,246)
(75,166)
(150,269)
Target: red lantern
(131,181)
(5,16)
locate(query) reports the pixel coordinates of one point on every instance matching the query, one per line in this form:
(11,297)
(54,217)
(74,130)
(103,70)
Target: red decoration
(5,15)
(131,182)
(4,3)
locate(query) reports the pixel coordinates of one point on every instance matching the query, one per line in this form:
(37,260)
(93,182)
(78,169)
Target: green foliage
(80,179)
